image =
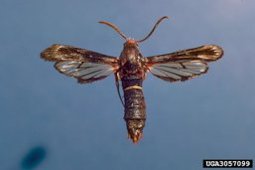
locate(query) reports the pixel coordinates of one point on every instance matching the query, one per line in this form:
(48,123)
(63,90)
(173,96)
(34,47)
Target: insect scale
(130,69)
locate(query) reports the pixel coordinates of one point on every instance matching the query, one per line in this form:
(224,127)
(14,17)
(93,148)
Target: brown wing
(84,65)
(183,65)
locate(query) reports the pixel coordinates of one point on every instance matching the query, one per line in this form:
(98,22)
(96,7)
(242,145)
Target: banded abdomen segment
(135,108)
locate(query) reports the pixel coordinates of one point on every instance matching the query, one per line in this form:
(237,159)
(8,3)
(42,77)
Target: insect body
(130,69)
(132,74)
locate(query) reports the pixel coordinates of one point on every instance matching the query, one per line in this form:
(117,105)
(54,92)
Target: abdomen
(135,113)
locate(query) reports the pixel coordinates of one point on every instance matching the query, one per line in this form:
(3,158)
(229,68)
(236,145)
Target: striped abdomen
(135,109)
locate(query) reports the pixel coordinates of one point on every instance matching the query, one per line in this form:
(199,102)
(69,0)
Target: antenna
(115,28)
(153,29)
(125,37)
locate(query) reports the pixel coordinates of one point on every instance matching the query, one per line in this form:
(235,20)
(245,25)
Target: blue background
(82,126)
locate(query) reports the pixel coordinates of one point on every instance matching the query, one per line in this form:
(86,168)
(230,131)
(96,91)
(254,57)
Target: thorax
(131,64)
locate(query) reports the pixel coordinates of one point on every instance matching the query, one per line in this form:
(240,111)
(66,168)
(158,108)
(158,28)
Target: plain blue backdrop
(82,126)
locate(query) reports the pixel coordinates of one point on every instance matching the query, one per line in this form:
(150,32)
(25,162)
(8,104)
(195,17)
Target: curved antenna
(115,28)
(153,29)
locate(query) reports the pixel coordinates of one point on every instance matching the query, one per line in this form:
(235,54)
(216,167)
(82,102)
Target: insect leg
(118,88)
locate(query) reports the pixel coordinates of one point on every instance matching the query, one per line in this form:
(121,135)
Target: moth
(130,70)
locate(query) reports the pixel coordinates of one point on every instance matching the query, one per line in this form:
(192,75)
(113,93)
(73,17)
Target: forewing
(84,65)
(183,65)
